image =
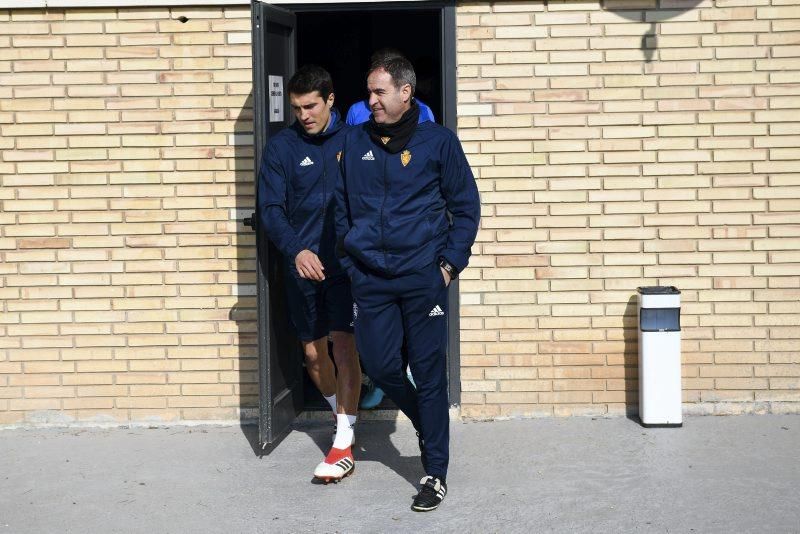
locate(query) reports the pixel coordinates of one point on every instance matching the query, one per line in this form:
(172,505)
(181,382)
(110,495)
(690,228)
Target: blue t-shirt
(360,112)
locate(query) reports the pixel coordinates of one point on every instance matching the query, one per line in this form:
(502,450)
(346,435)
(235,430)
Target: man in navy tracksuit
(400,178)
(298,175)
(359,113)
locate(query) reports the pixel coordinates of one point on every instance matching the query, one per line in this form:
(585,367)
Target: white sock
(332,401)
(344,430)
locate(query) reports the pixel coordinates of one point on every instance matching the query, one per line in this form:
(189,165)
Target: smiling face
(387,102)
(312,111)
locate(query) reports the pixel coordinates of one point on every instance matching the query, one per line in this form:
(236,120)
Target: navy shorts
(318,308)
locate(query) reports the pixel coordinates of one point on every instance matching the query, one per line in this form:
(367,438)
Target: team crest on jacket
(339,156)
(405,157)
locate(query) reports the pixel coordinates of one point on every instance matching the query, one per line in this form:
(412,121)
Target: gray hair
(399,68)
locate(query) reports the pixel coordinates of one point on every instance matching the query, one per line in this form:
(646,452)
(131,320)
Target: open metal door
(279,360)
(450,120)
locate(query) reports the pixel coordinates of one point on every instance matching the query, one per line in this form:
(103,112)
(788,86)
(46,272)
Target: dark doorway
(342,42)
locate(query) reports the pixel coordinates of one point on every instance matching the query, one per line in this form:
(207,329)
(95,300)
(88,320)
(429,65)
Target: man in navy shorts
(296,185)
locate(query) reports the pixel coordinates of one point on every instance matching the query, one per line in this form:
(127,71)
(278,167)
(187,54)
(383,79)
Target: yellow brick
(155,390)
(209,413)
(154,365)
(478,385)
(49,367)
(202,12)
(206,389)
(141,402)
(49,392)
(35,41)
(71,28)
(33,380)
(34,404)
(76,52)
(89,14)
(741,383)
(27,28)
(141,378)
(130,27)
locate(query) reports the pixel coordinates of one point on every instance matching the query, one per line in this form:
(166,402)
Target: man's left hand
(446,276)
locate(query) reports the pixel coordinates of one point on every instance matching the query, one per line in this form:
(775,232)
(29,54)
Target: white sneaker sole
(424,509)
(334,472)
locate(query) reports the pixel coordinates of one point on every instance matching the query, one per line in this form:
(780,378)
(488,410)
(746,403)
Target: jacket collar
(335,125)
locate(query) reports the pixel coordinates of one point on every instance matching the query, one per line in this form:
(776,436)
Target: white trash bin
(659,319)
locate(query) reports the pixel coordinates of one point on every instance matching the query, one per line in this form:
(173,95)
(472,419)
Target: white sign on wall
(275,98)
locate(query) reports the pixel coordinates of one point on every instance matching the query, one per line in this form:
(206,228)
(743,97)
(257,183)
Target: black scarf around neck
(394,137)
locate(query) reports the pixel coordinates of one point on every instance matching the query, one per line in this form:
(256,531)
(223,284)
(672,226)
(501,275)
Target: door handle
(250,221)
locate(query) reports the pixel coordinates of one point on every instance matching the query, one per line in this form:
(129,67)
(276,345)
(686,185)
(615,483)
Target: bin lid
(658,290)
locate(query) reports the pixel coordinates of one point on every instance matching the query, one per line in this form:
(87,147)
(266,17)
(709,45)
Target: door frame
(447,21)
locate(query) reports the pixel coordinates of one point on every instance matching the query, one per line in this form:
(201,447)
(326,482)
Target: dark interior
(342,42)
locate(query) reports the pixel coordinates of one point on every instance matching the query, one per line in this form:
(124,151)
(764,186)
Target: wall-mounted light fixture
(664,11)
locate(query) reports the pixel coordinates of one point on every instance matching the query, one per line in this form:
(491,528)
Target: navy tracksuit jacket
(392,224)
(298,211)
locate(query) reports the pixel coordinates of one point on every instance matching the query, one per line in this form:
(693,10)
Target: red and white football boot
(338,464)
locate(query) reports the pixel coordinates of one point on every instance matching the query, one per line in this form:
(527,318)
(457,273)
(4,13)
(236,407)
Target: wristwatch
(449,267)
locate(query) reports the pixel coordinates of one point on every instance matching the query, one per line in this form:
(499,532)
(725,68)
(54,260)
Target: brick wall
(613,152)
(126,287)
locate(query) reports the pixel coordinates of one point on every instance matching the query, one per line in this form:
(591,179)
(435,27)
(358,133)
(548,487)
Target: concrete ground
(716,474)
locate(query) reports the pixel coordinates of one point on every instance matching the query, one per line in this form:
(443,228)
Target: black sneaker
(422,456)
(431,494)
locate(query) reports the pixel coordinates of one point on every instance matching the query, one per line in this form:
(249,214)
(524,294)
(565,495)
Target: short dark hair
(399,68)
(384,53)
(310,78)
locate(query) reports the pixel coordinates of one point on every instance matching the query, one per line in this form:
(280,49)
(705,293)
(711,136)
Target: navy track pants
(412,309)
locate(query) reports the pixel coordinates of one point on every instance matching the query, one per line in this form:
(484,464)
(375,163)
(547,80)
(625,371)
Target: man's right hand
(309,266)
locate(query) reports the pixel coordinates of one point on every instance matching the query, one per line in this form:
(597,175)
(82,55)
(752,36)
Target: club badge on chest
(405,157)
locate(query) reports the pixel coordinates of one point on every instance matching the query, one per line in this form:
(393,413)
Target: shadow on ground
(373,444)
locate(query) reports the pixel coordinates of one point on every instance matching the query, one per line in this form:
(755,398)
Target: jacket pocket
(406,236)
